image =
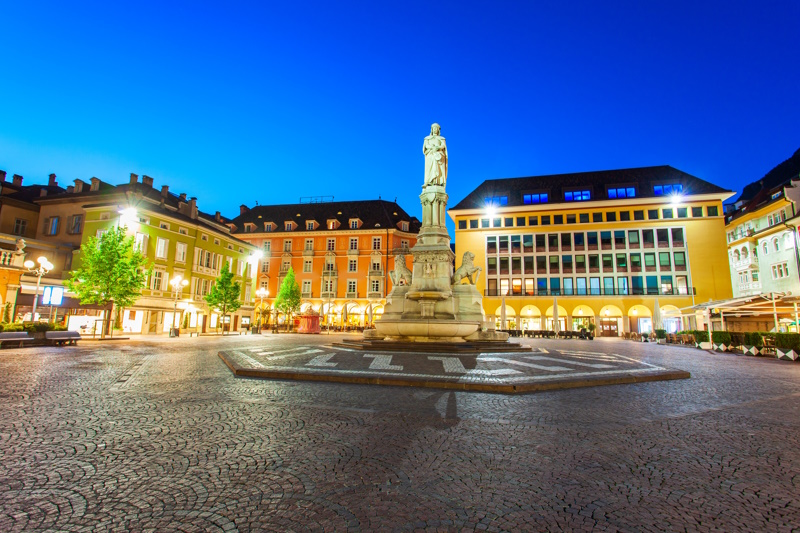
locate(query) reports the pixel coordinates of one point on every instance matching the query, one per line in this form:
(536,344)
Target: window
(577,196)
(496,200)
(287,245)
(520,221)
(484,222)
(638,215)
(351,286)
(140,243)
(375,266)
(491,264)
(780,270)
(51,226)
(652,214)
(375,285)
(268,226)
(536,198)
(327,285)
(462,224)
(164,225)
(545,220)
(697,212)
(633,238)
(352,265)
(331,246)
(265,266)
(75,224)
(161,248)
(624,216)
(353,243)
(307,265)
(666,213)
(663,260)
(157,283)
(776,245)
(622,192)
(650,260)
(353,223)
(570,219)
(682,212)
(20,225)
(680,260)
(183,231)
(473,224)
(376,243)
(404,226)
(496,222)
(287,226)
(597,217)
(677,237)
(533,221)
(611,216)
(404,244)
(203,237)
(622,262)
(306,286)
(267,246)
(558,219)
(180,252)
(583,218)
(503,240)
(619,239)
(309,226)
(509,222)
(309,244)
(711,210)
(672,188)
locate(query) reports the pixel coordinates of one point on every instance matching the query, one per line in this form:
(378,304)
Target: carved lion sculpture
(466,270)
(401,275)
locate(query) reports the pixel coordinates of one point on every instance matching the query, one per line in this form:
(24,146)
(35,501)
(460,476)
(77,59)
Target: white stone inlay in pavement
(567,362)
(322,360)
(382,362)
(529,365)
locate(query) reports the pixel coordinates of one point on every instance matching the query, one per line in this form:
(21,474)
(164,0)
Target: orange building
(341,253)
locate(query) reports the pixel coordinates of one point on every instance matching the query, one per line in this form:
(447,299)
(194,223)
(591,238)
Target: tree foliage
(224,295)
(111,270)
(289,296)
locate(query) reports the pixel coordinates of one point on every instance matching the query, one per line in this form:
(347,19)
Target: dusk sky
(243,102)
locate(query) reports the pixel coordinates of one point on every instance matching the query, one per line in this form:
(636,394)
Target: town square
(424,267)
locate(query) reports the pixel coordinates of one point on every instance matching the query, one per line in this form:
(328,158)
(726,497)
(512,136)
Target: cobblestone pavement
(535,369)
(157,435)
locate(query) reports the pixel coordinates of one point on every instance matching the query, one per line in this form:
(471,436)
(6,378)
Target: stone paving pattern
(159,436)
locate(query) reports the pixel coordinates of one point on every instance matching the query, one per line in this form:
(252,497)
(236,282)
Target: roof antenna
(395,199)
(379,197)
(256,202)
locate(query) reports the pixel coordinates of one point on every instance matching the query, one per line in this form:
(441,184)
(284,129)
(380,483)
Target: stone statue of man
(435,151)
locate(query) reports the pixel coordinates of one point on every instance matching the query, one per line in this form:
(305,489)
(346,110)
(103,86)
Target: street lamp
(44,267)
(178,283)
(261,293)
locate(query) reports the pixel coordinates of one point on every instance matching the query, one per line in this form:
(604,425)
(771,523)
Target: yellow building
(605,247)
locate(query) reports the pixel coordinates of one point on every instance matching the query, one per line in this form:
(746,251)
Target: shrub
(721,337)
(754,338)
(788,341)
(12,327)
(700,335)
(32,327)
(737,338)
(661,334)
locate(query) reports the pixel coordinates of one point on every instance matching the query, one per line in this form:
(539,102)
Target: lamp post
(44,267)
(178,283)
(261,293)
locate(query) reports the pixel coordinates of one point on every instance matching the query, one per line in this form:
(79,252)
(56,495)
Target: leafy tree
(288,300)
(224,294)
(7,312)
(112,271)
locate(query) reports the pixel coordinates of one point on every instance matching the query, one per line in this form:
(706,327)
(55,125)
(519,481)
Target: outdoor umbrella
(503,313)
(369,314)
(658,322)
(344,315)
(555,314)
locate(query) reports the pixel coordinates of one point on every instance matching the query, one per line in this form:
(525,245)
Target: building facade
(341,254)
(606,247)
(179,241)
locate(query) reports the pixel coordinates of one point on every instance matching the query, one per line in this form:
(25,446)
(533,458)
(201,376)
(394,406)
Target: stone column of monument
(435,306)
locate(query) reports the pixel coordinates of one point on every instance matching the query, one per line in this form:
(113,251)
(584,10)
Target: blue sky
(247,102)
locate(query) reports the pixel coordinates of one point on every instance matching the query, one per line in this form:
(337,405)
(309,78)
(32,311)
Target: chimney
(147,180)
(164,191)
(134,178)
(183,197)
(42,192)
(193,207)
(2,176)
(79,185)
(70,189)
(17,180)
(95,184)
(243,209)
(52,181)
(217,217)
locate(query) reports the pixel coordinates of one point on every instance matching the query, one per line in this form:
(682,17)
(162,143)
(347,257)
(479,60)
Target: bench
(63,337)
(10,337)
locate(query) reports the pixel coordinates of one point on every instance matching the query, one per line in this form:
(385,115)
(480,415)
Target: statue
(20,246)
(401,275)
(435,151)
(467,269)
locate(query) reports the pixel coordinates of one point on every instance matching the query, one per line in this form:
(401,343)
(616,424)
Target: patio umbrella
(503,313)
(369,313)
(658,322)
(344,315)
(556,325)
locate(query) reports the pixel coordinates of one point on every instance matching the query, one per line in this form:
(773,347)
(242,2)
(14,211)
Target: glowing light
(676,199)
(635,312)
(606,313)
(490,211)
(580,311)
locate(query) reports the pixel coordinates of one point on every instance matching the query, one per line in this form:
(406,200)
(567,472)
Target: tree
(288,300)
(224,294)
(112,271)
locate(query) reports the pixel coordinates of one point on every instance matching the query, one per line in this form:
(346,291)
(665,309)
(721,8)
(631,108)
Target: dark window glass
(648,238)
(491,264)
(597,217)
(516,265)
(462,224)
(579,239)
(591,238)
(552,243)
(611,216)
(682,212)
(584,218)
(528,264)
(558,219)
(473,224)
(520,221)
(503,244)
(624,216)
(491,245)
(622,261)
(484,222)
(566,241)
(554,264)
(605,238)
(515,244)
(697,212)
(503,265)
(652,214)
(677,237)
(619,239)
(636,261)
(570,219)
(662,234)
(667,213)
(495,222)
(545,220)
(608,262)
(711,210)
(509,222)
(594,261)
(638,215)
(527,243)
(533,221)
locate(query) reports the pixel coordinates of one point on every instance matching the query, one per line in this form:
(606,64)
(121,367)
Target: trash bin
(174,332)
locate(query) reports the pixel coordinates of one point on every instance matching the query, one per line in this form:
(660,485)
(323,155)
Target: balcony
(10,259)
(330,274)
(306,294)
(753,287)
(352,294)
(284,270)
(747,262)
(308,252)
(266,254)
(373,295)
(351,251)
(327,295)
(376,273)
(404,250)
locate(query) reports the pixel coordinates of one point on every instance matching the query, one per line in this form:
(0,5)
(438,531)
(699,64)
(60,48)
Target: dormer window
(355,223)
(311,225)
(403,225)
(249,227)
(268,226)
(332,223)
(664,190)
(621,192)
(578,196)
(496,200)
(288,225)
(535,198)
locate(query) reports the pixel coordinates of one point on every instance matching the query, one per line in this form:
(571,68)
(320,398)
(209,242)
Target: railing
(327,294)
(374,294)
(330,273)
(401,250)
(750,286)
(352,294)
(350,251)
(307,294)
(11,259)
(746,263)
(675,291)
(308,252)
(376,273)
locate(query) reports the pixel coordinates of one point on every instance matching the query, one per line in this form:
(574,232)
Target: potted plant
(591,327)
(787,346)
(661,336)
